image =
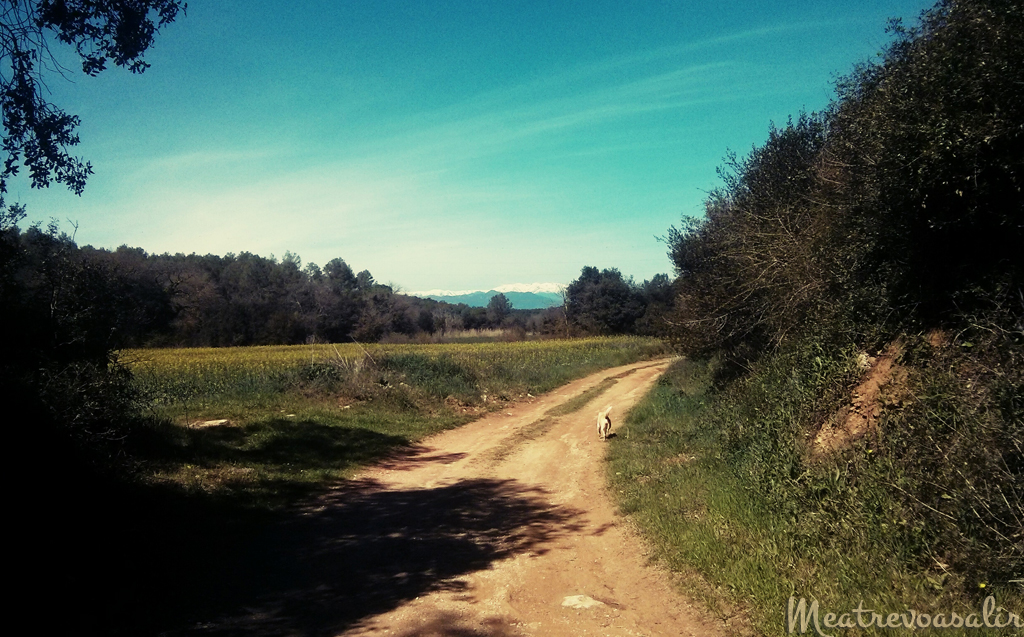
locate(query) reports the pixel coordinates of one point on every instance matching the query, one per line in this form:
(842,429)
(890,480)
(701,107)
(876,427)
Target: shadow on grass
(263,465)
(297,444)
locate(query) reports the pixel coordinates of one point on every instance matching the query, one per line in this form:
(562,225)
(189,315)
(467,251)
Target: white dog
(604,423)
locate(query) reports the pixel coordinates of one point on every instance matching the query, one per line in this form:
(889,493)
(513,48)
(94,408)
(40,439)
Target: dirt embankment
(882,378)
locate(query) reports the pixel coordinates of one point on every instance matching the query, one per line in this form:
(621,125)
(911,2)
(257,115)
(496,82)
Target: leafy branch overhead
(37,133)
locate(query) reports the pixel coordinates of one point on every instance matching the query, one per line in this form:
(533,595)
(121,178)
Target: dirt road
(502,527)
(577,569)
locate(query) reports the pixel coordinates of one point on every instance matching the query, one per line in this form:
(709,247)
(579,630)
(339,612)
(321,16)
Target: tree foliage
(925,158)
(38,134)
(63,316)
(135,299)
(902,200)
(603,302)
(498,308)
(749,271)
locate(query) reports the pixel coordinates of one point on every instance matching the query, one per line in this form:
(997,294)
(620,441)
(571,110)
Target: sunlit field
(267,424)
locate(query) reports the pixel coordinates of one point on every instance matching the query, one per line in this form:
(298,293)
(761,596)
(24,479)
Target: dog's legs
(604,423)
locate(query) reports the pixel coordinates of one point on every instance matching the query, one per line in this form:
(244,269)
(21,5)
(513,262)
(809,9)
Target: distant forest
(128,298)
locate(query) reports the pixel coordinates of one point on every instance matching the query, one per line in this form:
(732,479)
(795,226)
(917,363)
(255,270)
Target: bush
(63,318)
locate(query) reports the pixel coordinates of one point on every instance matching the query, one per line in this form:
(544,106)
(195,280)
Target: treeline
(891,222)
(68,310)
(128,298)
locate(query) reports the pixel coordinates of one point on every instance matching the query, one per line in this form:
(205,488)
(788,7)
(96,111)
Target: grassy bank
(724,483)
(261,426)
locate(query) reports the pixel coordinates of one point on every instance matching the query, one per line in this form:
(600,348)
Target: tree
(751,270)
(68,313)
(62,315)
(498,308)
(927,155)
(659,297)
(364,281)
(37,134)
(603,302)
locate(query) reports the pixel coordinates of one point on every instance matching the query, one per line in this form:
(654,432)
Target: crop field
(263,425)
(209,377)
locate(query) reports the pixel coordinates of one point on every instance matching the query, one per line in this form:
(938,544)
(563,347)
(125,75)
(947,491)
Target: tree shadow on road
(414,456)
(449,624)
(362,551)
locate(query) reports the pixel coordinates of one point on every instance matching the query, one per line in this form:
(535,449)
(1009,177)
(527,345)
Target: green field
(297,418)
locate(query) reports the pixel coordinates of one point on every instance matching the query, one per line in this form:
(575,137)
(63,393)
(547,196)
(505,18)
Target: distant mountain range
(522,296)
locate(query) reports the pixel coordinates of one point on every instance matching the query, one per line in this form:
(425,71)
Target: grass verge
(747,536)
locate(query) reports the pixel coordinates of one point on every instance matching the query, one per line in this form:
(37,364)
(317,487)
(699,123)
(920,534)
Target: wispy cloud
(492,180)
(564,102)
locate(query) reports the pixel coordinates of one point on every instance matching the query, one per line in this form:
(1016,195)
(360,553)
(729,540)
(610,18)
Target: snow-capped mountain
(535,288)
(522,296)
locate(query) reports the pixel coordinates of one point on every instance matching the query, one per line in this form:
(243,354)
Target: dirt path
(486,530)
(533,591)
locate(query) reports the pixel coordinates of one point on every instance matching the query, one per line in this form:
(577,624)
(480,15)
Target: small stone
(580,601)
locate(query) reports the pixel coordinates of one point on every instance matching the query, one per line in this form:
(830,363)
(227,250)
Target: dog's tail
(607,410)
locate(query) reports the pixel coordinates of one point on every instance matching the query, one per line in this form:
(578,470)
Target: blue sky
(458,145)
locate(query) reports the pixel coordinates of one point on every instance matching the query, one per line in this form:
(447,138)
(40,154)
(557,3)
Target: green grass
(301,418)
(827,533)
(268,456)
